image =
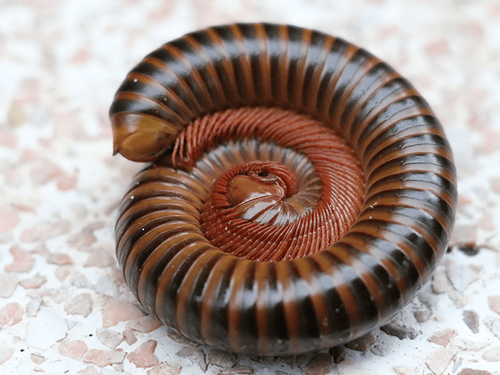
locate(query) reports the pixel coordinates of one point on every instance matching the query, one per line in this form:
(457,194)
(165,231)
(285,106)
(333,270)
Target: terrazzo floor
(64,306)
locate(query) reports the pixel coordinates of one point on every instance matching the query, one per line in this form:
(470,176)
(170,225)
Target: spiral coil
(300,191)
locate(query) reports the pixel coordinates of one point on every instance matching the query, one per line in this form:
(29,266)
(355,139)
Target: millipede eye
(300,191)
(263,176)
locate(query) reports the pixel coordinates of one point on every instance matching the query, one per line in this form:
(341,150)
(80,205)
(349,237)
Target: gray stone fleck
(422,315)
(106,286)
(493,325)
(195,355)
(177,337)
(33,307)
(109,337)
(321,364)
(471,319)
(461,276)
(79,280)
(428,297)
(361,344)
(399,331)
(81,304)
(221,359)
(458,299)
(439,283)
(240,370)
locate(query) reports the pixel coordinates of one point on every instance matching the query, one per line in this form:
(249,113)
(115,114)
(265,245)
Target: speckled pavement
(64,307)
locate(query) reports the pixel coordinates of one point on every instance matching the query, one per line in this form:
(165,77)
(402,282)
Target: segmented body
(261,132)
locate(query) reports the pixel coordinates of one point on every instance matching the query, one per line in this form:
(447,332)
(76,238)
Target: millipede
(298,191)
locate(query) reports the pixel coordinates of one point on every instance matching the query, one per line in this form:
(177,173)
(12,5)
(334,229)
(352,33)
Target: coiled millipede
(299,194)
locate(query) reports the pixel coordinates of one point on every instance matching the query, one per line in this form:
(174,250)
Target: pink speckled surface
(64,307)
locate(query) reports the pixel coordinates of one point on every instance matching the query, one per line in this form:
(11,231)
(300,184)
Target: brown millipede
(300,191)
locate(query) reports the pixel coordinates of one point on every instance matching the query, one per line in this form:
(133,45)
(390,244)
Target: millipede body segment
(299,191)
